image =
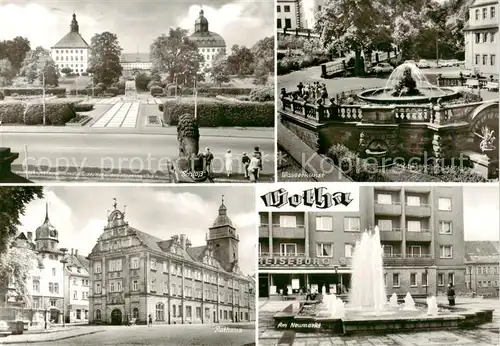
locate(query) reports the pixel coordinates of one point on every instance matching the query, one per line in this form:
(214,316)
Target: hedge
(263,94)
(78,92)
(215,113)
(156,90)
(224,91)
(293,63)
(56,113)
(34,91)
(83,107)
(2,96)
(113,90)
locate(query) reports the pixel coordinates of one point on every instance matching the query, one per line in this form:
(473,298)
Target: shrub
(33,91)
(153,83)
(449,173)
(141,81)
(106,94)
(160,107)
(171,90)
(2,96)
(101,85)
(97,91)
(263,94)
(83,107)
(113,90)
(56,113)
(78,92)
(215,113)
(214,91)
(156,91)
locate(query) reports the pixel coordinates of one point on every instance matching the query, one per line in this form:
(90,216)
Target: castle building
(136,61)
(210,44)
(135,275)
(481,260)
(421,231)
(481,37)
(297,14)
(72,51)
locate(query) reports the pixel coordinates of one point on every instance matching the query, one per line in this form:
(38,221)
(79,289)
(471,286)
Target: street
(171,335)
(122,152)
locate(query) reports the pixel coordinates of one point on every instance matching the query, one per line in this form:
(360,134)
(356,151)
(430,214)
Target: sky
(136,23)
(481,210)
(80,213)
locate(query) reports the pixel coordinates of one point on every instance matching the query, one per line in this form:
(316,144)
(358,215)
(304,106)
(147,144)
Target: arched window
(159,312)
(98,315)
(135,313)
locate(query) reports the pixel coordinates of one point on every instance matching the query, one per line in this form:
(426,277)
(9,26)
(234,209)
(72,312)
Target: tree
(264,50)
(15,51)
(241,61)
(176,55)
(39,64)
(104,62)
(6,73)
(67,71)
(261,73)
(218,71)
(15,266)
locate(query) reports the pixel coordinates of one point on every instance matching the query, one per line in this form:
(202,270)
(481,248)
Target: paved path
(113,100)
(122,114)
(484,335)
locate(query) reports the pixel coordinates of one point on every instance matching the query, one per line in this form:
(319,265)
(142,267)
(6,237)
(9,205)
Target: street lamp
(336,279)
(426,279)
(41,267)
(63,261)
(42,72)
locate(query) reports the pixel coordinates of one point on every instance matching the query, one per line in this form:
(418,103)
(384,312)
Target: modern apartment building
(135,275)
(482,262)
(481,37)
(297,14)
(421,231)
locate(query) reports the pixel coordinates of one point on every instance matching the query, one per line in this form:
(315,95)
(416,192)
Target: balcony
(408,260)
(423,210)
(263,230)
(393,234)
(393,209)
(297,232)
(423,236)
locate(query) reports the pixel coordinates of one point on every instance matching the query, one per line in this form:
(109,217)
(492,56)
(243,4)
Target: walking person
(229,163)
(209,157)
(150,321)
(245,160)
(253,169)
(451,295)
(258,154)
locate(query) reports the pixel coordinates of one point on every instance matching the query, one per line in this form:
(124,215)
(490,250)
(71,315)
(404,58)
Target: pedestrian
(300,87)
(150,321)
(324,94)
(253,169)
(209,157)
(245,160)
(258,154)
(451,295)
(229,163)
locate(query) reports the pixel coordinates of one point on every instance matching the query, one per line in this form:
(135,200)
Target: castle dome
(222,219)
(203,37)
(46,230)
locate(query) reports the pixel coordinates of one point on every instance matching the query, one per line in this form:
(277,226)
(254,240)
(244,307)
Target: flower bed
(79,120)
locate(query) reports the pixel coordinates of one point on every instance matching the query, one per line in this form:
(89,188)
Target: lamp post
(41,267)
(470,278)
(426,279)
(195,94)
(42,72)
(337,279)
(63,261)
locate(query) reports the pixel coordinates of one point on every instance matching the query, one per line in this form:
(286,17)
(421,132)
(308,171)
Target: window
(278,8)
(36,286)
(440,279)
(75,295)
(485,13)
(98,287)
(153,285)
(135,285)
(288,221)
(492,37)
(485,59)
(287,8)
(385,225)
(112,287)
(385,279)
(288,23)
(173,290)
(445,227)
(477,14)
(492,59)
(351,224)
(424,279)
(56,288)
(189,312)
(53,302)
(225,314)
(288,249)
(415,251)
(53,271)
(496,270)
(492,12)
(98,315)
(115,265)
(387,250)
(383,198)
(451,278)
(324,250)
(477,58)
(446,251)
(324,223)
(159,312)
(174,310)
(413,226)
(74,282)
(198,312)
(395,280)
(444,204)
(348,250)
(485,37)
(135,263)
(180,311)
(165,266)
(135,313)
(413,200)
(413,279)
(153,264)
(118,286)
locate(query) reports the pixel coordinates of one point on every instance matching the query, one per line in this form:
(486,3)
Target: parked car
(383,67)
(5,329)
(423,64)
(467,72)
(410,62)
(454,62)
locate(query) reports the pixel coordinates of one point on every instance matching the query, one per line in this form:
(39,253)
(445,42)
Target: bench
(491,86)
(472,83)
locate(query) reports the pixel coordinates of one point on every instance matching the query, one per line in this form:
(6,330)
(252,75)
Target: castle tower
(46,236)
(201,24)
(74,24)
(223,239)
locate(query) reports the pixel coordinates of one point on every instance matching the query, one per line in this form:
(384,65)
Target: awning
(304,271)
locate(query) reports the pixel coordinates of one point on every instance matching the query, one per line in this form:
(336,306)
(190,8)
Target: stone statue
(191,165)
(407,85)
(488,139)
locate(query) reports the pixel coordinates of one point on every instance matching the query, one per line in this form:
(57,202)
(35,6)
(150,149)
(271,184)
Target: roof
(72,40)
(197,252)
(478,3)
(207,39)
(482,251)
(135,57)
(480,27)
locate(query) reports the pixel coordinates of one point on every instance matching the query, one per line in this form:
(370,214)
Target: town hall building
(135,275)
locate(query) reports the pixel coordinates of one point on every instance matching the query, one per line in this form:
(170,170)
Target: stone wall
(307,135)
(343,133)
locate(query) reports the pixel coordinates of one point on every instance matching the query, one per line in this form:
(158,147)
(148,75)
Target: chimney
(76,252)
(188,243)
(30,236)
(183,241)
(71,252)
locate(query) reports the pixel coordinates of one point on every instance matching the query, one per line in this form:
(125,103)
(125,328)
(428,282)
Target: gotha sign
(308,197)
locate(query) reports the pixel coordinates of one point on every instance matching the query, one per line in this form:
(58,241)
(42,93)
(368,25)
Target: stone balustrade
(414,113)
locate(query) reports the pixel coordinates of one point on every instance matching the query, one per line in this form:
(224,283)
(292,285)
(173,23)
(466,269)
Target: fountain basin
(383,96)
